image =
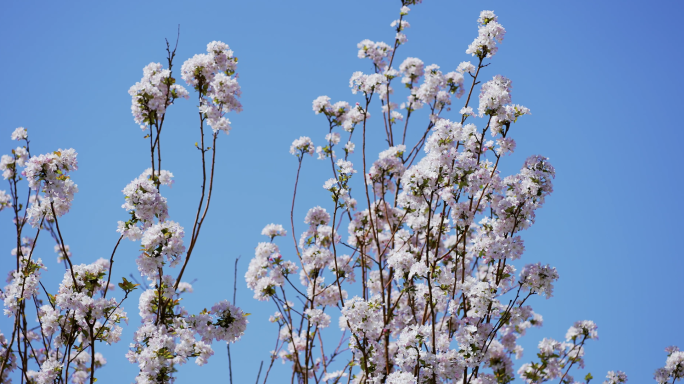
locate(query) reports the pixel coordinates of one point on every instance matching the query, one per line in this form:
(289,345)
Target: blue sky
(602,79)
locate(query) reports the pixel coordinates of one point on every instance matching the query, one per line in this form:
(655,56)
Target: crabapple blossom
(615,377)
(5,200)
(153,94)
(49,371)
(322,105)
(490,32)
(539,279)
(23,284)
(466,67)
(317,216)
(494,95)
(366,84)
(7,166)
(582,329)
(223,322)
(318,317)
(273,230)
(213,76)
(301,146)
(412,68)
(674,366)
(162,242)
(20,134)
(349,147)
(48,174)
(161,176)
(377,52)
(145,204)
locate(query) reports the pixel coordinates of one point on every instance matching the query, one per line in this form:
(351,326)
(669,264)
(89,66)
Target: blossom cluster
(48,173)
(23,283)
(168,337)
(19,156)
(213,76)
(556,358)
(674,366)
(153,94)
(489,33)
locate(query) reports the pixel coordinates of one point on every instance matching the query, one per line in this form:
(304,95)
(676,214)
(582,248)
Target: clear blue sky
(603,81)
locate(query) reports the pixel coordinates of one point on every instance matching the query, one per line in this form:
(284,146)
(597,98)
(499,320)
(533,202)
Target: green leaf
(127,286)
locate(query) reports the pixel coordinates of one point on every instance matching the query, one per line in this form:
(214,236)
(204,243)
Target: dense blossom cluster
(153,94)
(48,174)
(162,242)
(161,344)
(674,367)
(301,146)
(23,284)
(213,76)
(489,33)
(145,204)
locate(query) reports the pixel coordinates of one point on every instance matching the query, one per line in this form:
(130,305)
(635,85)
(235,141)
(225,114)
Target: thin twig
(259,374)
(230,362)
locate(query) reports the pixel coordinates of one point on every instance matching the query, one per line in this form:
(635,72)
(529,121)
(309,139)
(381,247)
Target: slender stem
(111,263)
(258,374)
(294,195)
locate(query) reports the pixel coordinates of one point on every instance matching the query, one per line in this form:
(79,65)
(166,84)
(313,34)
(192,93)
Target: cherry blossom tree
(415,267)
(72,320)
(418,256)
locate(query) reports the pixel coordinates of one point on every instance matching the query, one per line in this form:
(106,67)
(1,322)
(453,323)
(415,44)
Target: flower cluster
(76,306)
(273,230)
(389,166)
(9,163)
(167,337)
(556,358)
(223,322)
(145,204)
(5,200)
(615,377)
(75,313)
(489,33)
(153,94)
(539,279)
(23,283)
(48,174)
(674,366)
(366,84)
(213,76)
(162,242)
(378,52)
(301,146)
